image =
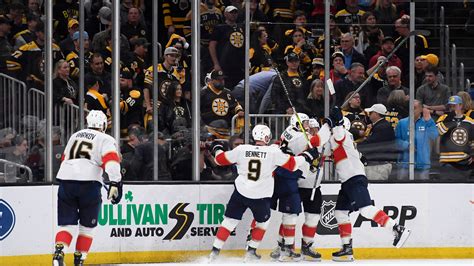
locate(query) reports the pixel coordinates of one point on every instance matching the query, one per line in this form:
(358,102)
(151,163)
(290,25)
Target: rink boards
(176,222)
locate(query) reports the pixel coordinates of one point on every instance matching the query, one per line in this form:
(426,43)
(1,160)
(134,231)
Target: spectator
(136,135)
(226,47)
(379,144)
(261,51)
(133,27)
(5,47)
(457,136)
(139,61)
(256,15)
(259,85)
(174,106)
(12,173)
(338,71)
(34,8)
(386,13)
(356,115)
(467,106)
(369,26)
(432,60)
(315,100)
(419,72)
(28,35)
(386,49)
(174,16)
(433,95)
(93,100)
(306,51)
(394,83)
(67,44)
(131,102)
(217,102)
(98,71)
(294,86)
(349,19)
(352,81)
(317,70)
(63,11)
(282,14)
(73,57)
(350,54)
(15,15)
(374,44)
(6,137)
(99,42)
(397,107)
(425,132)
(65,90)
(335,40)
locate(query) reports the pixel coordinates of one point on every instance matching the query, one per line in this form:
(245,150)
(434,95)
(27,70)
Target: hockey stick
(383,62)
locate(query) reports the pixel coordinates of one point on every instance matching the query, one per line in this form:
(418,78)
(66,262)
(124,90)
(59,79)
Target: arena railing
(13,99)
(276,122)
(9,174)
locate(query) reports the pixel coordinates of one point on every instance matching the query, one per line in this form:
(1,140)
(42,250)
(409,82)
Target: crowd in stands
(287,37)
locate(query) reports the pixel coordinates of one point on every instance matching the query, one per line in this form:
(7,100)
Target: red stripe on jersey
(111,156)
(223,233)
(222,160)
(345,230)
(62,157)
(63,237)
(381,218)
(290,164)
(257,234)
(339,153)
(315,141)
(308,231)
(83,243)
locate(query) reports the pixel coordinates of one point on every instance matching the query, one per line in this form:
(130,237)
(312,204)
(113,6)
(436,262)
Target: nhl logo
(327,223)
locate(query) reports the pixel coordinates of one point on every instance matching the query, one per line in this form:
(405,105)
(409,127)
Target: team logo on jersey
(357,124)
(459,136)
(164,87)
(220,107)
(236,39)
(7,219)
(297,82)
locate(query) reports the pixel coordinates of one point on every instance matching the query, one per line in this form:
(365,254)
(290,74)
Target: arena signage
(7,219)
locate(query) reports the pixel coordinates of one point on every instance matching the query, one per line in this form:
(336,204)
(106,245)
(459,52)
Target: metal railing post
(461,77)
(447,66)
(454,69)
(442,33)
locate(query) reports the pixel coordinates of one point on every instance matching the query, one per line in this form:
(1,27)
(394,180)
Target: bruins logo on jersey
(164,87)
(357,124)
(220,107)
(297,82)
(178,111)
(459,136)
(236,39)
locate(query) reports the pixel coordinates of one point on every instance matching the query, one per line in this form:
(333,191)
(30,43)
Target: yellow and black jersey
(421,45)
(216,104)
(73,59)
(174,12)
(28,62)
(305,56)
(261,57)
(281,10)
(165,76)
(394,115)
(209,18)
(107,56)
(62,13)
(138,66)
(358,119)
(95,101)
(131,107)
(23,37)
(457,139)
(349,22)
(230,45)
(306,32)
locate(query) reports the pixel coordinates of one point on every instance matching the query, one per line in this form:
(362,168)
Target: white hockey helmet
(97,119)
(347,123)
(262,133)
(313,123)
(294,119)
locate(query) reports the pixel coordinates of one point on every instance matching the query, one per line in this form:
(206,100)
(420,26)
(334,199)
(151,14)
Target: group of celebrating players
(287,177)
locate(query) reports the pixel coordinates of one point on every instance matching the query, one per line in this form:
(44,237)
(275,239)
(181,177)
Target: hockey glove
(364,160)
(310,155)
(327,120)
(215,146)
(115,192)
(336,116)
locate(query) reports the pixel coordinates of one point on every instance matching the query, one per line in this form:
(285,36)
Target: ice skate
(214,254)
(401,235)
(275,254)
(308,253)
(288,254)
(345,254)
(58,258)
(78,261)
(251,255)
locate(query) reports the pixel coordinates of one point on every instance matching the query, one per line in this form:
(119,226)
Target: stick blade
(421,32)
(331,89)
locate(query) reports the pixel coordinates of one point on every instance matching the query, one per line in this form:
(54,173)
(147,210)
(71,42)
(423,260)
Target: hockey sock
(257,234)
(84,240)
(344,225)
(289,224)
(63,236)
(309,227)
(280,234)
(224,231)
(378,216)
(253,224)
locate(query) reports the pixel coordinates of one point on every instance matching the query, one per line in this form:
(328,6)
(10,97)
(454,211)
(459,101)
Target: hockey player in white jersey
(254,185)
(354,194)
(293,189)
(87,154)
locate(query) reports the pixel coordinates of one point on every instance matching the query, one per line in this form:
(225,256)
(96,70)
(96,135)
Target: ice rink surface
(238,261)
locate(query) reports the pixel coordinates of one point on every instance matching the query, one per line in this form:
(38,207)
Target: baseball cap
(338,54)
(72,22)
(292,57)
(229,9)
(317,61)
(388,39)
(431,58)
(126,74)
(171,50)
(378,108)
(139,42)
(85,35)
(216,74)
(455,100)
(105,15)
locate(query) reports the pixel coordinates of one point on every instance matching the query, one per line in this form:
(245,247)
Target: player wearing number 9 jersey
(253,186)
(87,154)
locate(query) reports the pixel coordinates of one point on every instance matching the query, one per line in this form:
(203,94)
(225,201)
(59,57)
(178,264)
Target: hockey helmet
(262,133)
(97,119)
(313,123)
(294,119)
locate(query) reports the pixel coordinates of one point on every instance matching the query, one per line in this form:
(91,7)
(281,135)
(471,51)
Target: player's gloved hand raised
(215,146)
(336,116)
(310,155)
(328,120)
(115,192)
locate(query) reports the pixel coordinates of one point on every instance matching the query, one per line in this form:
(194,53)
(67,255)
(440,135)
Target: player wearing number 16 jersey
(87,154)
(254,185)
